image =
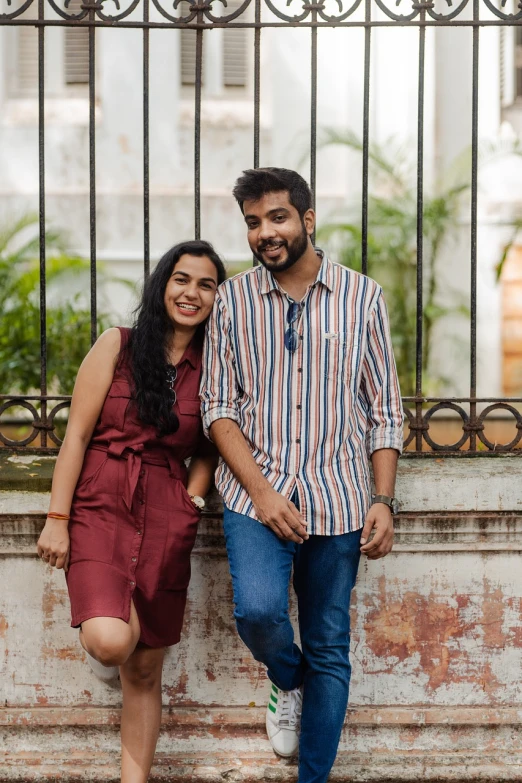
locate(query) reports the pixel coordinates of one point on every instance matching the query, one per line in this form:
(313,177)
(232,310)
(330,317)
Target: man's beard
(293,253)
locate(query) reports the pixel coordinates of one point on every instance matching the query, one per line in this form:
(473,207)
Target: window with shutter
(27,61)
(76,52)
(234,58)
(188,56)
(233,53)
(518,62)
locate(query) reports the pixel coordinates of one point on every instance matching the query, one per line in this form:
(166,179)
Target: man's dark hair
(256,183)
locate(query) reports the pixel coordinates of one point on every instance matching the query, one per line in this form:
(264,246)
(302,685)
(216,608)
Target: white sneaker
(283,720)
(105,673)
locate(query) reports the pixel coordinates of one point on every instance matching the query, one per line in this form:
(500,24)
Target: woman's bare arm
(202,468)
(90,390)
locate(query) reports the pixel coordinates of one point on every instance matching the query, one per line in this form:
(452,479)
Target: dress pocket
(189,414)
(116,404)
(181,535)
(93,523)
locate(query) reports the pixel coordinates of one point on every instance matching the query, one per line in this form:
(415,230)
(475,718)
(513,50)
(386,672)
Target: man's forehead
(269,202)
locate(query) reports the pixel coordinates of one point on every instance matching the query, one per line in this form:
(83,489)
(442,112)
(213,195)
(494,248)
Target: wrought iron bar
(197,133)
(92,168)
(257,83)
(131,25)
(41,196)
(420,232)
(474,198)
(313,117)
(366,140)
(146,151)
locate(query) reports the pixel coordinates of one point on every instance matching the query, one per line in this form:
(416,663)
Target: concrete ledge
(265,767)
(228,719)
(201,743)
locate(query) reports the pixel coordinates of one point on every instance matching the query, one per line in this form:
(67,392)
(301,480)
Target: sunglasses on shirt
(291,335)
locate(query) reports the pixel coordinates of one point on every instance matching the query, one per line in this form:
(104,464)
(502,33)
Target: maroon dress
(133,524)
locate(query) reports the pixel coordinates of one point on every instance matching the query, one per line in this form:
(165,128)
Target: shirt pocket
(116,404)
(342,355)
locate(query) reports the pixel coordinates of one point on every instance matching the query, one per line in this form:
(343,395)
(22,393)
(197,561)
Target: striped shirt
(313,416)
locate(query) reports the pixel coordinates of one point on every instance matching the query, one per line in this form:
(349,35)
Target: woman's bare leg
(110,640)
(141,715)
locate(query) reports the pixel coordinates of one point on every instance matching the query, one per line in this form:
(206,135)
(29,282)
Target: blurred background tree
(392,247)
(68,314)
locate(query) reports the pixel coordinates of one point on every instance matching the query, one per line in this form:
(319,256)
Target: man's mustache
(267,245)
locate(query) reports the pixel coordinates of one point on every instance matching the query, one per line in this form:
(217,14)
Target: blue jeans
(325,569)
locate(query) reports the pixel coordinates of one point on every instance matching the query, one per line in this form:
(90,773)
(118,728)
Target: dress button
(142,472)
(139,532)
(133,559)
(132,584)
(142,502)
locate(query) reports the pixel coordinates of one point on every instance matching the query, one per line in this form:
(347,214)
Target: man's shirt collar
(268,282)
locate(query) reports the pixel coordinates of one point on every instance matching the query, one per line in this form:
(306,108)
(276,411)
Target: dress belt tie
(135,456)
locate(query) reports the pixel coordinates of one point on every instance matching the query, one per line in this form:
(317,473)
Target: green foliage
(392,248)
(68,316)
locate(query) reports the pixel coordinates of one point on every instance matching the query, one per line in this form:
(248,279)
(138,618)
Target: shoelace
(289,708)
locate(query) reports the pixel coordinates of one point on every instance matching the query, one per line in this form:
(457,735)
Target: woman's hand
(53,544)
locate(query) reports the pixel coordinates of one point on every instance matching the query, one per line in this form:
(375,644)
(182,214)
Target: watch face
(198,501)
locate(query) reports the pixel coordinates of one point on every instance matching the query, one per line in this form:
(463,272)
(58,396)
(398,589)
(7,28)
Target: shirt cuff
(221,412)
(385,438)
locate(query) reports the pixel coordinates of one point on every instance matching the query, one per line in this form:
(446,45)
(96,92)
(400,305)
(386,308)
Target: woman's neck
(177,344)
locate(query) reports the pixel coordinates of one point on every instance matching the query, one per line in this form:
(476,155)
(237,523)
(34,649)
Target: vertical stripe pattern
(311,417)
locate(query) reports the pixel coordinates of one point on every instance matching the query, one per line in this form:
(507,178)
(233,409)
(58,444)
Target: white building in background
(227,138)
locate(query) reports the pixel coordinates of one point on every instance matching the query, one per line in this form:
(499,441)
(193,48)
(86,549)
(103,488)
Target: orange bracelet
(56,515)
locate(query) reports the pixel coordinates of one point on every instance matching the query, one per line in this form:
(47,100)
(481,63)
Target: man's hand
(280,515)
(380,520)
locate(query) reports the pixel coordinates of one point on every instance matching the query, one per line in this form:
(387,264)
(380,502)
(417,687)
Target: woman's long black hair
(148,341)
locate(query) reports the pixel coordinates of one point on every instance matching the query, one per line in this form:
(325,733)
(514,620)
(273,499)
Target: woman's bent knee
(109,642)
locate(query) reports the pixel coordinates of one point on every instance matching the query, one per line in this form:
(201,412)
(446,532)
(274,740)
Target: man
(299,387)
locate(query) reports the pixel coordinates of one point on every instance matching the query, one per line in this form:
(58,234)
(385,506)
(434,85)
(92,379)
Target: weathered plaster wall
(436,648)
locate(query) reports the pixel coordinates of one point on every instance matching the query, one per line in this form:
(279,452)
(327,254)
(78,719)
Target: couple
(298,389)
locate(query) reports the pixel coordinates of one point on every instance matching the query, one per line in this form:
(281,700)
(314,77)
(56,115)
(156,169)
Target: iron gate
(200,16)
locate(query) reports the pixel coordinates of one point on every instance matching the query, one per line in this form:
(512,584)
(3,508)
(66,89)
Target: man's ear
(309,221)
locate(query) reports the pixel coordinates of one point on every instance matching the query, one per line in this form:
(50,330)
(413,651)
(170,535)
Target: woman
(124,509)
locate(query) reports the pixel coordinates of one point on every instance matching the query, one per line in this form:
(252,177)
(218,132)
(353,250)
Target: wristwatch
(198,501)
(390,502)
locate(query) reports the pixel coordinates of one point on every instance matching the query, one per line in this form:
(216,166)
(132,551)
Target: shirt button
(299,369)
(299,407)
(133,559)
(298,440)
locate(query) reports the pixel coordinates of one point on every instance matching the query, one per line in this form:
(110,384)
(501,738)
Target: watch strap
(390,502)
